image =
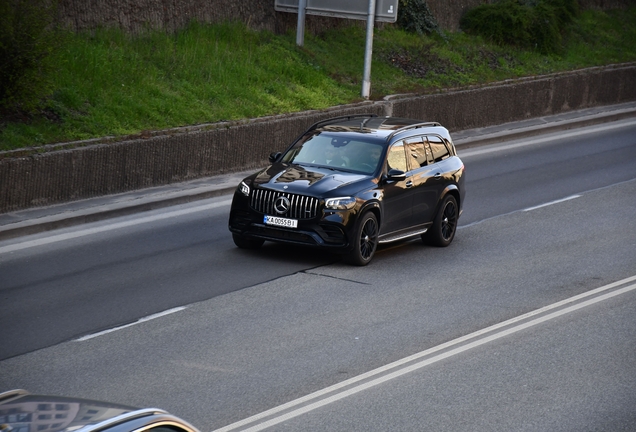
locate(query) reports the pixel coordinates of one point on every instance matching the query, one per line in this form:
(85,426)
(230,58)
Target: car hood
(305,179)
(54,413)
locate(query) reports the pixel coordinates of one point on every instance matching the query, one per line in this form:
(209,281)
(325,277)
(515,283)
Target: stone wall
(520,99)
(72,171)
(170,15)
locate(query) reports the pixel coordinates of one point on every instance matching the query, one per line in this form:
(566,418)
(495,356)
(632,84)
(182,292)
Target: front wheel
(442,232)
(365,241)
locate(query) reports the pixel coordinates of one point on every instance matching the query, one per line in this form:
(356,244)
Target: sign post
(300,27)
(370,10)
(368,51)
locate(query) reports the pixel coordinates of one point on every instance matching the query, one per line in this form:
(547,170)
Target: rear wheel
(247,242)
(442,232)
(365,241)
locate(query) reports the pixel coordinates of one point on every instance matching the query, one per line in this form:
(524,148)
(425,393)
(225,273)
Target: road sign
(385,10)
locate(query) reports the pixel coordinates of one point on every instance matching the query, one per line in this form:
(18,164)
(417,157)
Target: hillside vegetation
(110,83)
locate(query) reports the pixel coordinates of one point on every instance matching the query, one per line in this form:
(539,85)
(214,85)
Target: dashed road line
(139,321)
(552,203)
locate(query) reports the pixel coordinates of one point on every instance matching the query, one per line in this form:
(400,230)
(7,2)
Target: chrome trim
(300,206)
(402,236)
(181,425)
(12,394)
(413,126)
(123,418)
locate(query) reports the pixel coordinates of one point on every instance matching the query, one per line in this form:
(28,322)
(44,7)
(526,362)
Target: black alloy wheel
(442,232)
(365,241)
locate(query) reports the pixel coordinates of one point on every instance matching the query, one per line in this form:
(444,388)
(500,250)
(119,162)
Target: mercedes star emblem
(281,205)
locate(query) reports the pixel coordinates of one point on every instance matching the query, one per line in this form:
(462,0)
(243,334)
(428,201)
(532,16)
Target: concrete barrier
(66,172)
(521,99)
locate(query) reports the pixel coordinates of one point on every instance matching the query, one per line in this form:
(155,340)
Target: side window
(416,152)
(397,157)
(438,148)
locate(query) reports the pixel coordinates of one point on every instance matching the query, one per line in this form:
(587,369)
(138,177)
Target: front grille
(301,207)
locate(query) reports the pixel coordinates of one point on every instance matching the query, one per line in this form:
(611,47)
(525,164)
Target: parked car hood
(30,412)
(305,179)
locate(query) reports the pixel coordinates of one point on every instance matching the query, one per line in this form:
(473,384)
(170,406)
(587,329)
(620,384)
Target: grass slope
(109,83)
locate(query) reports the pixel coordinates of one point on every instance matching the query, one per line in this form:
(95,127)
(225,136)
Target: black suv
(350,183)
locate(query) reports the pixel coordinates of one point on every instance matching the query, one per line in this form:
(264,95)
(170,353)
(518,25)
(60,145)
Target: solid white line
(551,137)
(118,225)
(428,361)
(552,202)
(139,321)
(433,360)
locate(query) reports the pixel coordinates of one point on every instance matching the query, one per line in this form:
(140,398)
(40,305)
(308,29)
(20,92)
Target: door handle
(409,184)
(437,176)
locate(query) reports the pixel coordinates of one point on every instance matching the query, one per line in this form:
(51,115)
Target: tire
(365,241)
(442,232)
(247,242)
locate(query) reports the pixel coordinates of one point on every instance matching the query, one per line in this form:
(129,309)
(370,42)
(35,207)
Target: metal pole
(300,27)
(368,51)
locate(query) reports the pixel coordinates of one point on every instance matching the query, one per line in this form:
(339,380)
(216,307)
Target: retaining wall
(72,171)
(171,15)
(520,99)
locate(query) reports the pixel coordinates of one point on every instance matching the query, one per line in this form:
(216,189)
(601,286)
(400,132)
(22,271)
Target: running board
(403,236)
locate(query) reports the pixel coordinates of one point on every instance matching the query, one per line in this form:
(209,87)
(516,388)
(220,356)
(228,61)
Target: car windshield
(335,151)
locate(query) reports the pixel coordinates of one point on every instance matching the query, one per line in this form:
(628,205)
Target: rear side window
(438,148)
(418,153)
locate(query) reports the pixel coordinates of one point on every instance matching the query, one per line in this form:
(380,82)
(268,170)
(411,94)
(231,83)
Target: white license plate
(279,221)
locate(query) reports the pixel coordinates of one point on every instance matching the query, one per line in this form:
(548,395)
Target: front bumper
(329,229)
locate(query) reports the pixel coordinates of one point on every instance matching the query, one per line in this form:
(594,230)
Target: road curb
(61,220)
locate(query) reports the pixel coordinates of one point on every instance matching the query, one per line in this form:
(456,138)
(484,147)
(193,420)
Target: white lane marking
(341,394)
(110,227)
(551,137)
(552,202)
(543,205)
(139,321)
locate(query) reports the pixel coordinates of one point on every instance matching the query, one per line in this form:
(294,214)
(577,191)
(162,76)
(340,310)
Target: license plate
(279,221)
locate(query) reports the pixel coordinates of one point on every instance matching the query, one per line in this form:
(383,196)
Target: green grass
(109,83)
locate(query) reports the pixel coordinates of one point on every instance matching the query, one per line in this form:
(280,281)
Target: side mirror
(396,174)
(273,157)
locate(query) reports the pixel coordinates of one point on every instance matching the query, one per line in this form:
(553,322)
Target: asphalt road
(545,220)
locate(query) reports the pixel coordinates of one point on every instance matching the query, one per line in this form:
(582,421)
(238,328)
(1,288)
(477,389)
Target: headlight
(244,189)
(343,203)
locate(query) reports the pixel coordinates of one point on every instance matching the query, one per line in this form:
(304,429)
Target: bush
(27,40)
(534,24)
(415,16)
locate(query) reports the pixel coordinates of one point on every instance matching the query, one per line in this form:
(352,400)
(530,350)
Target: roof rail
(327,121)
(413,126)
(12,394)
(331,120)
